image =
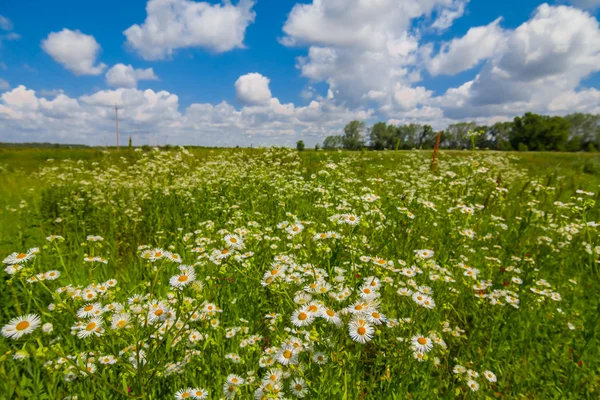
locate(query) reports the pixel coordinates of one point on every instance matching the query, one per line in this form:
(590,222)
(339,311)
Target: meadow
(272,274)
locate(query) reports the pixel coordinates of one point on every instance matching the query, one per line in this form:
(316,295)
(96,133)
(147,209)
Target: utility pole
(117,124)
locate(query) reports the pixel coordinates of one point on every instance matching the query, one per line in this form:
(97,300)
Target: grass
(489,265)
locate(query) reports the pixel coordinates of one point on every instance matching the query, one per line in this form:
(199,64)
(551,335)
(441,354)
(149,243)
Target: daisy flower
(199,394)
(20,258)
(302,317)
(474,386)
(421,343)
(360,330)
(233,242)
(489,375)
(184,394)
(185,278)
(92,327)
(17,327)
(234,379)
(121,321)
(330,315)
(298,387)
(287,355)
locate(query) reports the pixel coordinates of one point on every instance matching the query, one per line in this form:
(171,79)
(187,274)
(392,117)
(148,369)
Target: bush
(300,145)
(523,147)
(591,148)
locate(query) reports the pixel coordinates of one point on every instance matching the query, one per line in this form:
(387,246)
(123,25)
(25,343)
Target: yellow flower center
(122,323)
(330,313)
(233,240)
(298,387)
(22,325)
(312,308)
(422,341)
(302,316)
(21,256)
(287,354)
(376,315)
(88,308)
(361,330)
(158,312)
(183,278)
(91,326)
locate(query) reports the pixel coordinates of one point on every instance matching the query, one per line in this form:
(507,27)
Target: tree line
(531,132)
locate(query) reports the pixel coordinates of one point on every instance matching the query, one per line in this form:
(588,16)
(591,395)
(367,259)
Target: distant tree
(130,143)
(353,138)
(591,148)
(456,135)
(427,137)
(584,126)
(332,142)
(540,133)
(300,145)
(380,136)
(500,135)
(317,147)
(408,135)
(523,147)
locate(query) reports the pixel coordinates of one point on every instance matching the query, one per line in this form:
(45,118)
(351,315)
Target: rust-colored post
(435,152)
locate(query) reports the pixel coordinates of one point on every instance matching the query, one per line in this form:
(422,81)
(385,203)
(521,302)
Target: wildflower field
(271,274)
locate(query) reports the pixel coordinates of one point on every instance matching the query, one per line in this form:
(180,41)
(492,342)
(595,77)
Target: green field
(269,273)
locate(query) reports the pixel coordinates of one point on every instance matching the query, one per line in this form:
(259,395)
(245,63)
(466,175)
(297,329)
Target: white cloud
(4,85)
(408,98)
(540,69)
(447,16)
(479,43)
(126,76)
(176,24)
(5,23)
(76,51)
(586,4)
(253,88)
(27,116)
(362,49)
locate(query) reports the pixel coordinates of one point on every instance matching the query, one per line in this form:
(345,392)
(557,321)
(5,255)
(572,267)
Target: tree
(586,127)
(427,137)
(353,138)
(540,133)
(380,136)
(408,135)
(300,145)
(456,135)
(130,143)
(500,135)
(332,142)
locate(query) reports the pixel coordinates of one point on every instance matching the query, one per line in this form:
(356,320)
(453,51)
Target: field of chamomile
(277,274)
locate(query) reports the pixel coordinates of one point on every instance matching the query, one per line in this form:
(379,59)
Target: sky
(272,72)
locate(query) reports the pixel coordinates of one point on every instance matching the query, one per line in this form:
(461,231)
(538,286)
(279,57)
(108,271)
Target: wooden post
(435,152)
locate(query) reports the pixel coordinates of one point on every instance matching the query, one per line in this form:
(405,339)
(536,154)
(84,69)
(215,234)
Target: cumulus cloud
(540,69)
(75,51)
(362,50)
(126,76)
(253,88)
(586,4)
(177,24)
(28,116)
(460,54)
(448,15)
(5,23)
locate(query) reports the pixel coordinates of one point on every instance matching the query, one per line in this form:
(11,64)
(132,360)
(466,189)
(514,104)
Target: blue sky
(273,72)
